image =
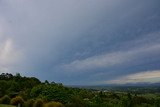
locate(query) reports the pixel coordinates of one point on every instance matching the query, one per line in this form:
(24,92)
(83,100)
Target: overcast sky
(81,42)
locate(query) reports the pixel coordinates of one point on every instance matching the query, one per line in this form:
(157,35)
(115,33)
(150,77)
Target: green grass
(3,105)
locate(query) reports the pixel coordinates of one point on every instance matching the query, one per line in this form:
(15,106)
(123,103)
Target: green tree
(3,87)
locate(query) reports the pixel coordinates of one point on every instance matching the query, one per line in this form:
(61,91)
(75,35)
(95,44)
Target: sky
(81,42)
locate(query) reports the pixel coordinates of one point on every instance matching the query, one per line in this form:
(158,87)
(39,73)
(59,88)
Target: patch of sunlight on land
(3,105)
(150,95)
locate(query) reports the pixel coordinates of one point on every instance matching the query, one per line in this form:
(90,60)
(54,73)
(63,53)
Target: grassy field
(2,105)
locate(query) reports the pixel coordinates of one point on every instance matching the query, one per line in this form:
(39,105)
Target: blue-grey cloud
(79,42)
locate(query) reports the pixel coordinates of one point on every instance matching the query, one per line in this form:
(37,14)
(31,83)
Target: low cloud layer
(141,77)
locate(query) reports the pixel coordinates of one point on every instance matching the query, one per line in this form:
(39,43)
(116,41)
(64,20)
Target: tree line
(31,92)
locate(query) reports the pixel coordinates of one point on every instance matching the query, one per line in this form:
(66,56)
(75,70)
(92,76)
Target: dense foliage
(30,92)
(13,85)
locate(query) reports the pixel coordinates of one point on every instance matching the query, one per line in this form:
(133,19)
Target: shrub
(38,103)
(29,103)
(54,104)
(76,101)
(17,100)
(5,99)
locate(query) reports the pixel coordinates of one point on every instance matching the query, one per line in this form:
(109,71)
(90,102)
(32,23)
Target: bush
(54,104)
(5,99)
(29,103)
(38,103)
(17,100)
(76,101)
